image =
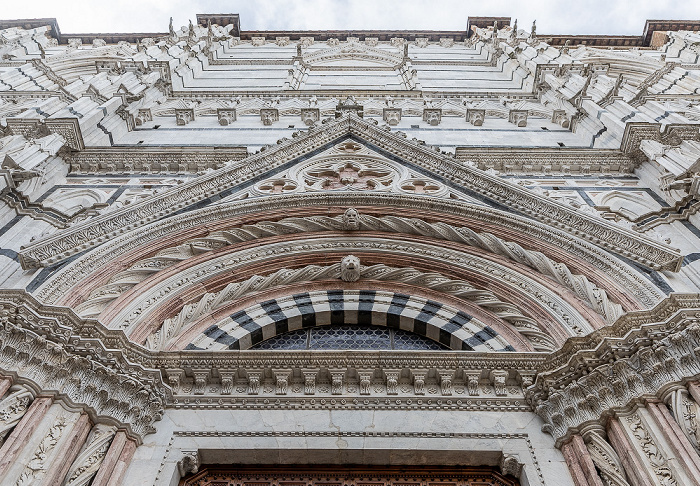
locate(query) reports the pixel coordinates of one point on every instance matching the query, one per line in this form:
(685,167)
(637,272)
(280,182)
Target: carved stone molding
(613,369)
(42,353)
(603,233)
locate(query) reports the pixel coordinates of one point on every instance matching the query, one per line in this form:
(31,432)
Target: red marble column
(682,448)
(22,432)
(116,461)
(5,384)
(580,463)
(62,462)
(634,468)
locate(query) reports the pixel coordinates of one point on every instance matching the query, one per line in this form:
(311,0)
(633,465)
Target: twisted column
(604,457)
(90,459)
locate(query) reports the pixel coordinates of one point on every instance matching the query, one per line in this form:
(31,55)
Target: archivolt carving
(591,294)
(79,270)
(483,298)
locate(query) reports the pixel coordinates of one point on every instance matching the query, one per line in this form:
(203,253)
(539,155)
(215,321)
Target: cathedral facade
(363,258)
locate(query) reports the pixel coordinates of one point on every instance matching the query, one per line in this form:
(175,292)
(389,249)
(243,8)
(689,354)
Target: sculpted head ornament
(351,219)
(350,269)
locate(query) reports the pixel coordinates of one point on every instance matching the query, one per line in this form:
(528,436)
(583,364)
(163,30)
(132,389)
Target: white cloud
(553,16)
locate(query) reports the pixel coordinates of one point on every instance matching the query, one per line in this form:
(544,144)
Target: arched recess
(139,280)
(441,323)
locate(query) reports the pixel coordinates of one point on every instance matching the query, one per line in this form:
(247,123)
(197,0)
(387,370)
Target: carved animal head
(350,269)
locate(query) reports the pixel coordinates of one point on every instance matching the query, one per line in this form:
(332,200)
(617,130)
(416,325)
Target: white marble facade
(522,209)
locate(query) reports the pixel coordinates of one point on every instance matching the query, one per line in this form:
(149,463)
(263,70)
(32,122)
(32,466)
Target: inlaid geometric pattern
(450,327)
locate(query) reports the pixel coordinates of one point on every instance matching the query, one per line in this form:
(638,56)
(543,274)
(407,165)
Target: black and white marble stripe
(448,326)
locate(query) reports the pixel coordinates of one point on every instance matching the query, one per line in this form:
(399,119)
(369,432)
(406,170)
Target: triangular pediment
(490,188)
(351,166)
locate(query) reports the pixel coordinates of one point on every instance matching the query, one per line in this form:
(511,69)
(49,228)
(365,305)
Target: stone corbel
(200,381)
(268,116)
(309,381)
(446,382)
(183,116)
(518,117)
(392,381)
(281,381)
(143,115)
(337,377)
(472,382)
(391,116)
(189,464)
(476,116)
(419,382)
(226,382)
(310,116)
(254,382)
(175,377)
(560,118)
(226,116)
(498,377)
(432,116)
(365,383)
(510,465)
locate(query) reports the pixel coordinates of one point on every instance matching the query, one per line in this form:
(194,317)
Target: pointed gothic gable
(492,188)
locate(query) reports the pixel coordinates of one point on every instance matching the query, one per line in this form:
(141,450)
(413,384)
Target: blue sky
(553,16)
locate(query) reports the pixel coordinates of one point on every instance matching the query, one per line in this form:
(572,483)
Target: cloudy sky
(553,16)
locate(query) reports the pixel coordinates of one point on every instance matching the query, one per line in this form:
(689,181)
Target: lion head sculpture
(350,269)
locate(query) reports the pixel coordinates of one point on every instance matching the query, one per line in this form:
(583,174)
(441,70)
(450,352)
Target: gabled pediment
(353,54)
(492,189)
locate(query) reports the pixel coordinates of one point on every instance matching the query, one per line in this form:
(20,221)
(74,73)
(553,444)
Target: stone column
(653,452)
(634,467)
(694,390)
(580,463)
(5,384)
(679,443)
(604,456)
(14,444)
(12,409)
(116,461)
(66,454)
(88,462)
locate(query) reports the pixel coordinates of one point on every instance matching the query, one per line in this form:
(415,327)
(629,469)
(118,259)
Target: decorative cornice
(42,352)
(83,236)
(643,356)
